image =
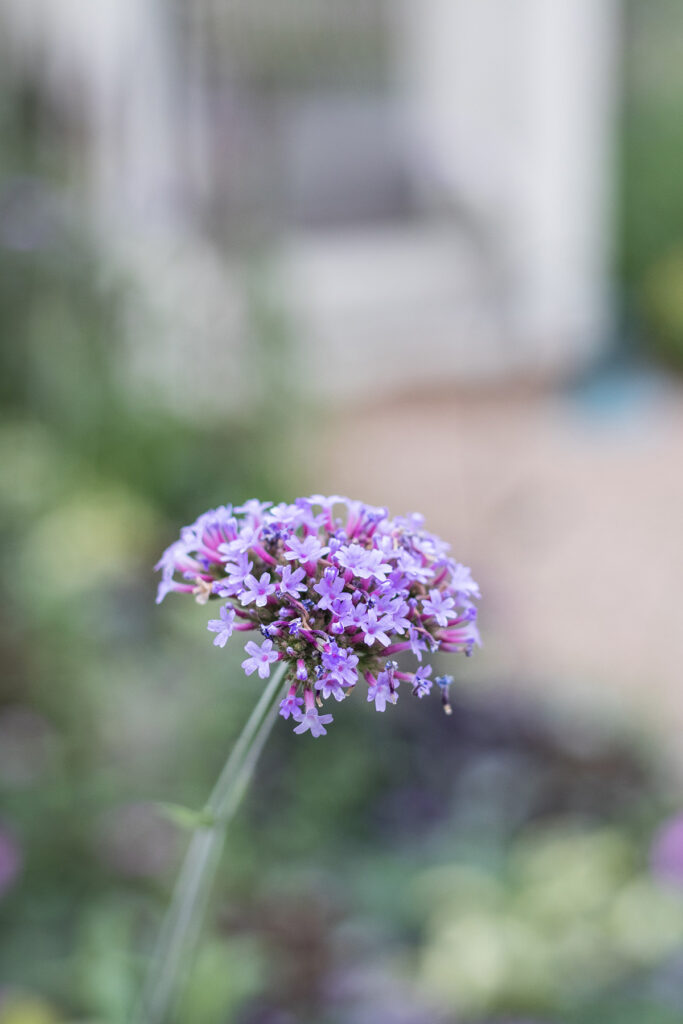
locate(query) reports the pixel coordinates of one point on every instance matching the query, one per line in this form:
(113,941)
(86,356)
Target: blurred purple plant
(334,597)
(666,856)
(10,860)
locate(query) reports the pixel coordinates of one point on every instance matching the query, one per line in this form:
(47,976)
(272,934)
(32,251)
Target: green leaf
(185,817)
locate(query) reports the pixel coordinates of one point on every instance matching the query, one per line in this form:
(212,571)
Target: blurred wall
(432,173)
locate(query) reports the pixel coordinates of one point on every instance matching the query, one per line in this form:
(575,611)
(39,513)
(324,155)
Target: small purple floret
(422,684)
(222,627)
(312,722)
(291,703)
(257,590)
(329,588)
(261,658)
(307,550)
(291,581)
(667,852)
(439,606)
(382,691)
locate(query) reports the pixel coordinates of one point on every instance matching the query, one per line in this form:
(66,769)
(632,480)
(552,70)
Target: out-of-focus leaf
(186,817)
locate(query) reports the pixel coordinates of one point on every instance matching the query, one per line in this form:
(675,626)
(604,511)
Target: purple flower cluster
(334,596)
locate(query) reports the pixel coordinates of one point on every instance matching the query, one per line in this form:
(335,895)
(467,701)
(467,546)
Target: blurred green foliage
(662,303)
(651,207)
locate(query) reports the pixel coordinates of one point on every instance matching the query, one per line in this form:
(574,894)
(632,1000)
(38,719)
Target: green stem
(182,924)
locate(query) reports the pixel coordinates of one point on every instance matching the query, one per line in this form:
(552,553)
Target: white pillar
(511,113)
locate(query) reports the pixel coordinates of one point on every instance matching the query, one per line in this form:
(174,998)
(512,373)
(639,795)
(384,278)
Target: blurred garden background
(425,252)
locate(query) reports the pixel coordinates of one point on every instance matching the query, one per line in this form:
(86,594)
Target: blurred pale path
(572,518)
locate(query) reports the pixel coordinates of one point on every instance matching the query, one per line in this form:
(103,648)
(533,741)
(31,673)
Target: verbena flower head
(332,587)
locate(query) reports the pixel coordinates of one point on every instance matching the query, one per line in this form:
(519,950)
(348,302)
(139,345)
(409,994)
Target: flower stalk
(180,929)
(333,597)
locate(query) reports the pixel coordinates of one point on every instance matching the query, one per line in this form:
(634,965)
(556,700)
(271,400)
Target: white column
(511,113)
